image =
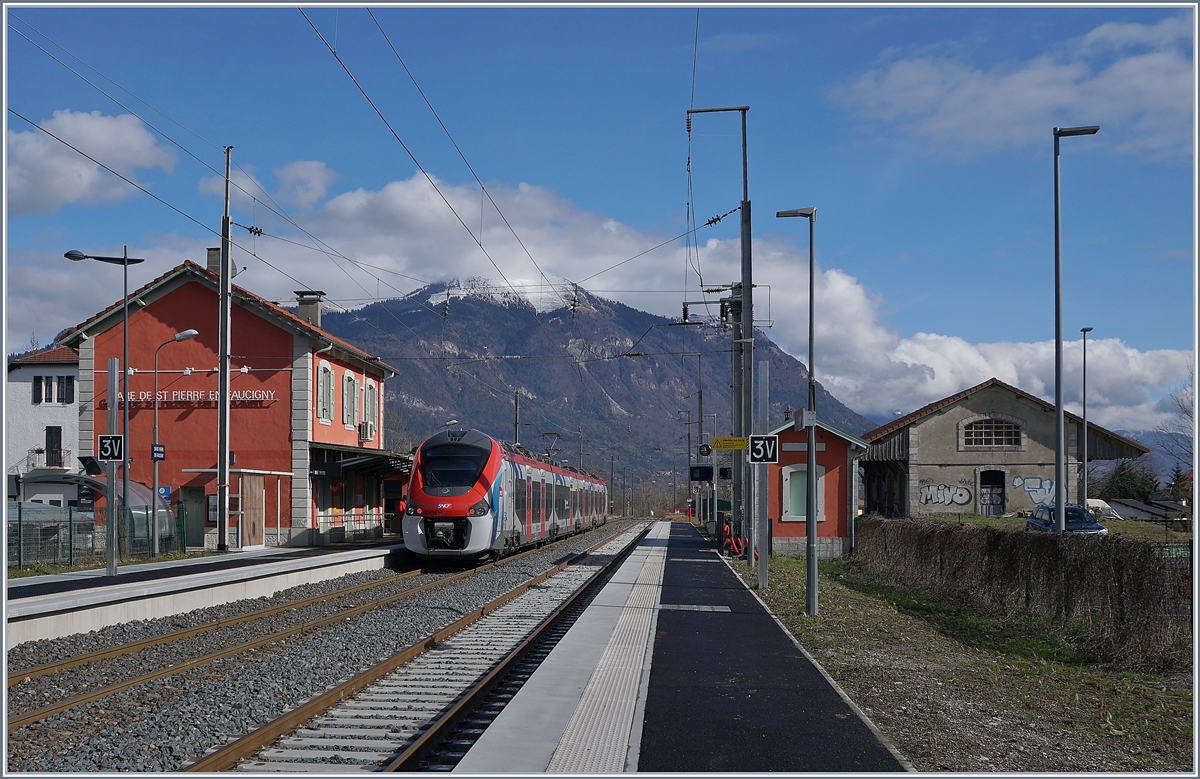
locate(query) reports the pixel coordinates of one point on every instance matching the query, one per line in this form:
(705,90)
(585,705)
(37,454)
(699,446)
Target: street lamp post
(186,335)
(125,261)
(1060,467)
(810,422)
(1085,331)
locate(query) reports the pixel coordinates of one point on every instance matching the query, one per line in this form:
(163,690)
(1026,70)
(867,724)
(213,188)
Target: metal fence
(348,526)
(53,535)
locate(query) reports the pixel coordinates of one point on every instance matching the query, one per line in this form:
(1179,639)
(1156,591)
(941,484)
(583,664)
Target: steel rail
(33,672)
(18,721)
(21,720)
(226,757)
(445,723)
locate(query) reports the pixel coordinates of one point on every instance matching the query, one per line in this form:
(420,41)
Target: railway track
(403,713)
(34,720)
(19,718)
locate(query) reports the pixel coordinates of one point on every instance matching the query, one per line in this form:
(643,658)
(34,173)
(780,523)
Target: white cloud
(304,182)
(1143,100)
(43,174)
(873,369)
(1119,35)
(405,228)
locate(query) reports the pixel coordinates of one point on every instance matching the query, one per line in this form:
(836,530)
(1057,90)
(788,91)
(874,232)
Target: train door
(520,503)
(538,488)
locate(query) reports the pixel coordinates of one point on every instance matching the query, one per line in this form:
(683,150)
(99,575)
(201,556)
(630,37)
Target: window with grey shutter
(66,389)
(37,390)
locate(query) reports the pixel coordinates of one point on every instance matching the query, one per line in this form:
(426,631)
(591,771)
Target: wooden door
(254,509)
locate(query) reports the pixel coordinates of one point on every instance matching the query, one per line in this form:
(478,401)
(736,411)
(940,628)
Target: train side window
(520,499)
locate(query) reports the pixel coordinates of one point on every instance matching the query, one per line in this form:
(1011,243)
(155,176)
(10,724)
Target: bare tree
(1177,433)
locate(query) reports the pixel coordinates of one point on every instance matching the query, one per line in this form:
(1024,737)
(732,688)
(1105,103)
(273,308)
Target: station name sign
(199,396)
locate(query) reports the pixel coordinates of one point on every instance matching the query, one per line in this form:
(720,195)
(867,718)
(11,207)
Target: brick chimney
(309,302)
(214,260)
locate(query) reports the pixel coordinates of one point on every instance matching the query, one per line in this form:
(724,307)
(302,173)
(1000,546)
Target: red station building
(837,489)
(307,457)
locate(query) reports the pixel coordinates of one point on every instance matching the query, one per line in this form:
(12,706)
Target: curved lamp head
(1062,132)
(75,255)
(809,213)
(186,335)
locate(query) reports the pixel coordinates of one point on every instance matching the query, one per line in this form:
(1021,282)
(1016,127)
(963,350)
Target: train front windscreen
(452,465)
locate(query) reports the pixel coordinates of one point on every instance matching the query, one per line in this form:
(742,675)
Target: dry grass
(955,692)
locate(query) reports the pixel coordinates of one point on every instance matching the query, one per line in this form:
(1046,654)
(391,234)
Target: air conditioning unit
(366,431)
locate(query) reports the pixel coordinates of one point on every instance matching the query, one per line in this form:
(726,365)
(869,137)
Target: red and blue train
(471,496)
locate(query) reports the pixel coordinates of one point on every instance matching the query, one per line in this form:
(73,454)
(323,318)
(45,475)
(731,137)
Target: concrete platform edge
(58,615)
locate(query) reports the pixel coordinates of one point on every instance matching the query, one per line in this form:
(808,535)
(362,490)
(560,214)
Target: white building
(42,425)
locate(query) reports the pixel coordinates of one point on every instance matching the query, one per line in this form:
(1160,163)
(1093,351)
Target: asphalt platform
(730,691)
(676,667)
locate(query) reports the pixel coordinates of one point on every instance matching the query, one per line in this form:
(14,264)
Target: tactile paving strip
(596,740)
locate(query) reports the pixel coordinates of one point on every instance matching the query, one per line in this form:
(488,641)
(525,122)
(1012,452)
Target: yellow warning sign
(731,443)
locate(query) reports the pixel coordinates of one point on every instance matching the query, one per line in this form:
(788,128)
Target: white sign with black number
(764,449)
(110,448)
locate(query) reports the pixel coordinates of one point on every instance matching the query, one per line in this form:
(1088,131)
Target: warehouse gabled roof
(924,411)
(241,296)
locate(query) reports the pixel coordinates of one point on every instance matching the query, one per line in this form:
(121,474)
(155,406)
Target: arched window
(992,432)
(324,392)
(349,400)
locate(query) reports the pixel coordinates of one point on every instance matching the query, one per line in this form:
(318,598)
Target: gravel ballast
(173,721)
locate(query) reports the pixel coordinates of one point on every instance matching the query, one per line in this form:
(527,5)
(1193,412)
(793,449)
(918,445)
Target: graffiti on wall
(1039,490)
(945,495)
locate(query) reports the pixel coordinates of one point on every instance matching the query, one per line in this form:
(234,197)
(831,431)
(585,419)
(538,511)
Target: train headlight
(479,509)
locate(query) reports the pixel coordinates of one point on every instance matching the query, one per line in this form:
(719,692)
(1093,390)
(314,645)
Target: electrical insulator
(689,123)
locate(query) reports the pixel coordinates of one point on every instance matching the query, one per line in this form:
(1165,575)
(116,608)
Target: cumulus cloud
(1134,80)
(304,182)
(43,174)
(1170,31)
(876,371)
(402,236)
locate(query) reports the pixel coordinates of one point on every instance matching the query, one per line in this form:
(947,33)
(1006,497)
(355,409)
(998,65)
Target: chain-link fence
(71,536)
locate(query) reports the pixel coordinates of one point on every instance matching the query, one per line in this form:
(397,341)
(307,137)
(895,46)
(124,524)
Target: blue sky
(922,135)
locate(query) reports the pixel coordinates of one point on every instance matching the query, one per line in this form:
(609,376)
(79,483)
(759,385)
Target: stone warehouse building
(987,450)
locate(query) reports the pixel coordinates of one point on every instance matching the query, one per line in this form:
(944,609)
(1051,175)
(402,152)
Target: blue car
(1079,520)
